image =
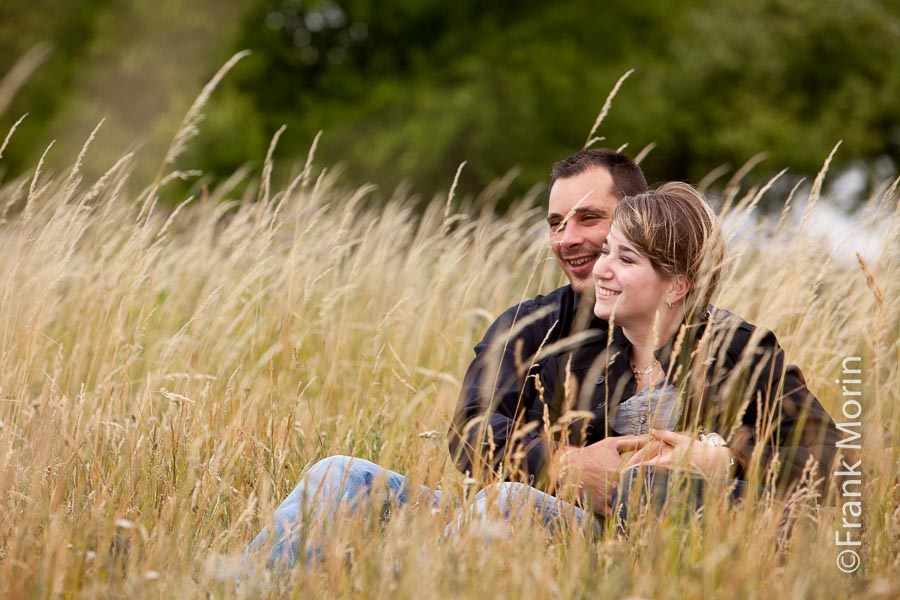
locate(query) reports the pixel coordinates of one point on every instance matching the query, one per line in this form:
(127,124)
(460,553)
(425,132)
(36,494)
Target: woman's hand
(677,450)
(653,449)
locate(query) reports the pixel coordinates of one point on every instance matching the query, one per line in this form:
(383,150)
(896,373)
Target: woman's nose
(601,268)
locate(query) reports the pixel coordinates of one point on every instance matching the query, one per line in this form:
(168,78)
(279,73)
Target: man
(584,189)
(537,354)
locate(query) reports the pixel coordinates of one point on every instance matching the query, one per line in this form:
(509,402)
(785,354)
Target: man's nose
(571,236)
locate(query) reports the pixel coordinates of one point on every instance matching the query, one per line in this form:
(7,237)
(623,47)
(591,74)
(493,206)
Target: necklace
(639,374)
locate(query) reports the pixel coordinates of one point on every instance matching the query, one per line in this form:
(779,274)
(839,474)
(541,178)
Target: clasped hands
(594,470)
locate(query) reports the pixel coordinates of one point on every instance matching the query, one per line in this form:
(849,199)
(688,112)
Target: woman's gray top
(657,406)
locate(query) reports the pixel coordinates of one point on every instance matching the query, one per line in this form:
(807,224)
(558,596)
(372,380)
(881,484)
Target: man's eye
(555,225)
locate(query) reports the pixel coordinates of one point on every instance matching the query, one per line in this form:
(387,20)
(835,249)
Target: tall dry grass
(167,376)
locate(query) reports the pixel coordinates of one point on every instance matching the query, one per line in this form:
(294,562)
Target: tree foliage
(409,89)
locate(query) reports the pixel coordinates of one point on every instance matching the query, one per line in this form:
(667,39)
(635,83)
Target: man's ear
(679,287)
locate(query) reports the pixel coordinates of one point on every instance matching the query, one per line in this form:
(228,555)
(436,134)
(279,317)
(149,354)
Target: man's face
(579,215)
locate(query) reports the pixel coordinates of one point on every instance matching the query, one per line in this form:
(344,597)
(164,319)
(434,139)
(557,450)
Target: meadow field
(167,375)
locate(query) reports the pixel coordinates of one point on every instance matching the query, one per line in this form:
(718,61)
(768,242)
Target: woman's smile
(603,292)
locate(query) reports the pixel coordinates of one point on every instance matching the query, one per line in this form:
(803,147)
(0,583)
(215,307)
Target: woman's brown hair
(679,233)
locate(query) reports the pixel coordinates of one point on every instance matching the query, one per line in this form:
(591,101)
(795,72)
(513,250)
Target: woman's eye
(627,260)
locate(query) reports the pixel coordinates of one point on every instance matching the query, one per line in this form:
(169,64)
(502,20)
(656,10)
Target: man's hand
(595,469)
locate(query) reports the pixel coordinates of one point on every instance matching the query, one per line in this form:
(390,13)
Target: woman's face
(626,284)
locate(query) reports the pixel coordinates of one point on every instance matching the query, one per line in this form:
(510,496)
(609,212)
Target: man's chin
(582,288)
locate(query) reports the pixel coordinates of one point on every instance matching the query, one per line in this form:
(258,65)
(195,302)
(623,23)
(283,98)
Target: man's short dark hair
(628,180)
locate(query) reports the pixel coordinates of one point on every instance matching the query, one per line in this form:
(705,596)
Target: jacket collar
(620,347)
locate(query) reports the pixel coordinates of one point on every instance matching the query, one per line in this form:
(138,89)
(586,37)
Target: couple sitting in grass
(625,388)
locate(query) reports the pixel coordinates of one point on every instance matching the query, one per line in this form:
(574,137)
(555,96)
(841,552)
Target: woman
(676,364)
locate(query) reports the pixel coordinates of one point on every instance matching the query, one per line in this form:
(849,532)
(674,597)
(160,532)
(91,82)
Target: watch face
(712,439)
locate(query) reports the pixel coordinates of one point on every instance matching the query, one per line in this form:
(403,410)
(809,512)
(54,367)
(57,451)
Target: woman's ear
(679,287)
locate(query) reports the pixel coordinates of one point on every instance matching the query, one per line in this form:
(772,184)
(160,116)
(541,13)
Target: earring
(669,304)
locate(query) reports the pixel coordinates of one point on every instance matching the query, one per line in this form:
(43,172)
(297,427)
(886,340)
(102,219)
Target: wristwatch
(714,439)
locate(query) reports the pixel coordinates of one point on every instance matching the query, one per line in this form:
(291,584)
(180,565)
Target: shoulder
(564,295)
(719,320)
(536,316)
(553,304)
(738,335)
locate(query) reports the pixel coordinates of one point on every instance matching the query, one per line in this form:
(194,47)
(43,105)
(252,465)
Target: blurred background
(406,90)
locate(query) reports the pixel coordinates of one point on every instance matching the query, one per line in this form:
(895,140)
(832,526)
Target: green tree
(409,89)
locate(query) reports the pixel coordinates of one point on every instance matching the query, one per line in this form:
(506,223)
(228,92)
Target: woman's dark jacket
(547,374)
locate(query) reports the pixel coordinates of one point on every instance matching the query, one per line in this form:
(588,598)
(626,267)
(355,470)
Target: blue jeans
(342,485)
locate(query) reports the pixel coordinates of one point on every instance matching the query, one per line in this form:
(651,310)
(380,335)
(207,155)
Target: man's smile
(580,261)
(580,266)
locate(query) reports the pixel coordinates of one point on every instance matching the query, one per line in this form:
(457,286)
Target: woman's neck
(647,338)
